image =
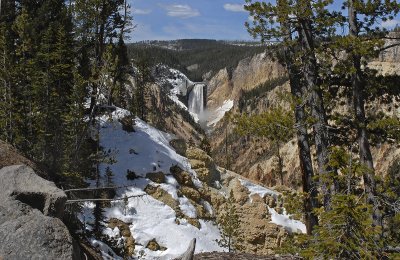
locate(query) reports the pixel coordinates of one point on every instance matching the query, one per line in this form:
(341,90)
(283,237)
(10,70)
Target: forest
(209,55)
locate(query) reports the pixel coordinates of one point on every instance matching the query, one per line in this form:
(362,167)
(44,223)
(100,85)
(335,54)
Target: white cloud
(234,7)
(141,11)
(180,11)
(390,23)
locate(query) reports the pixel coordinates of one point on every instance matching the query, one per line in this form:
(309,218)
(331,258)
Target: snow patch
(284,220)
(257,189)
(219,113)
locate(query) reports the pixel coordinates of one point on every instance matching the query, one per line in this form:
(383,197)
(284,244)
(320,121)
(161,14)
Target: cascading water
(196,100)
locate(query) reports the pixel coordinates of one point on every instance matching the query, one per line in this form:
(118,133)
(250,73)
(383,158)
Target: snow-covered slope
(144,151)
(148,217)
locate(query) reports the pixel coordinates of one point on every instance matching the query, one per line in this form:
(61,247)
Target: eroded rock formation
(30,212)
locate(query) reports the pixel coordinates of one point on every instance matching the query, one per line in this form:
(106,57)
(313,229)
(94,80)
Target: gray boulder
(31,209)
(188,255)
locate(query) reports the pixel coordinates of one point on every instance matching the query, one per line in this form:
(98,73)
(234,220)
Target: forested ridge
(208,56)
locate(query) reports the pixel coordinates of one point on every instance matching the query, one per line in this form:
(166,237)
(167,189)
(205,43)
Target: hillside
(198,59)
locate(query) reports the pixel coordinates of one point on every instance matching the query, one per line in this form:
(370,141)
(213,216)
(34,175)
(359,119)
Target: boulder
(191,193)
(194,222)
(31,209)
(162,195)
(154,246)
(124,232)
(157,177)
(189,253)
(203,165)
(181,176)
(179,145)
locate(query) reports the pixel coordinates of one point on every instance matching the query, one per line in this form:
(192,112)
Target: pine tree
(230,223)
(345,232)
(298,25)
(142,79)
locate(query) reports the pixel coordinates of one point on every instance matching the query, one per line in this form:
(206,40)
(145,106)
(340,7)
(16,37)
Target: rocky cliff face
(249,73)
(30,212)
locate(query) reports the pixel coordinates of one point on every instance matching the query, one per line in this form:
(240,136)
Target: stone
(124,232)
(270,201)
(195,153)
(31,209)
(189,253)
(154,246)
(179,145)
(191,193)
(202,212)
(157,177)
(196,164)
(205,193)
(161,195)
(128,123)
(181,176)
(194,222)
(203,165)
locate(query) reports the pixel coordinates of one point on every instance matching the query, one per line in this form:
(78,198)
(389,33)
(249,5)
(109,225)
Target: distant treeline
(209,55)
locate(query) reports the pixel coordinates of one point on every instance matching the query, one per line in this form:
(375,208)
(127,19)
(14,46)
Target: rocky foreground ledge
(31,209)
(240,256)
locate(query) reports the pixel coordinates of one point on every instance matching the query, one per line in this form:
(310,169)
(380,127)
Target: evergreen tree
(143,79)
(345,232)
(298,25)
(230,224)
(361,44)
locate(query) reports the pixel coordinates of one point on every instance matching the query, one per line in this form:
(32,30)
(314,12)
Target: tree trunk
(321,136)
(311,201)
(359,113)
(280,161)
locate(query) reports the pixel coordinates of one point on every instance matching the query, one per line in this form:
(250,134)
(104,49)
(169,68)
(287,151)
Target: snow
(257,189)
(143,151)
(151,219)
(219,113)
(284,220)
(106,251)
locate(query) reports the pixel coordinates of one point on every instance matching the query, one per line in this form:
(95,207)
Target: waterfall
(196,99)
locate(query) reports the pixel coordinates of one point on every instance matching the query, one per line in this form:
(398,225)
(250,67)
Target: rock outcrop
(203,165)
(30,212)
(240,256)
(125,232)
(249,73)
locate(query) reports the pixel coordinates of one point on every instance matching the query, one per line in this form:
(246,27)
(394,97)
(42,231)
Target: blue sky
(183,19)
(195,19)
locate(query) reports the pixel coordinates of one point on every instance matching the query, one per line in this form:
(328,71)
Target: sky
(189,19)
(195,19)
